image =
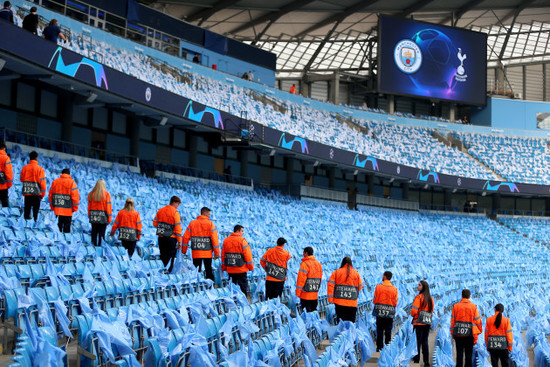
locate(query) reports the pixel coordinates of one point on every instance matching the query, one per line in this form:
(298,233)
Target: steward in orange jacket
(128,224)
(168,224)
(309,281)
(33,179)
(204,241)
(237,258)
(466,325)
(293,89)
(422,311)
(274,263)
(6,175)
(64,199)
(343,290)
(99,211)
(499,338)
(385,302)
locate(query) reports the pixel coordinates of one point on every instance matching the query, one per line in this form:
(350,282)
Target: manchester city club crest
(407,56)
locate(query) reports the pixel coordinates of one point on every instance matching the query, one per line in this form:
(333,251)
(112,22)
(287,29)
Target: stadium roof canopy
(329,35)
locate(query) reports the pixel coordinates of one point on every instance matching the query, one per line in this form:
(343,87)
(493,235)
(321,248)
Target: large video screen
(428,60)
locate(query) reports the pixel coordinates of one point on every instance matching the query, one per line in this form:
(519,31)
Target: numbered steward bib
(497,342)
(62,201)
(31,188)
(343,291)
(463,329)
(234,259)
(312,285)
(127,234)
(201,243)
(384,311)
(165,229)
(424,317)
(98,217)
(275,271)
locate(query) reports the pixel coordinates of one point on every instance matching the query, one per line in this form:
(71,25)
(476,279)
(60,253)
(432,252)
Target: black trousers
(32,203)
(464,350)
(345,313)
(4,198)
(383,331)
(167,247)
(130,246)
(422,333)
(309,305)
(207,267)
(241,280)
(499,355)
(64,223)
(273,289)
(98,233)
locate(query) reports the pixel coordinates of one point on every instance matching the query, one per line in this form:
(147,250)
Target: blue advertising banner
(433,61)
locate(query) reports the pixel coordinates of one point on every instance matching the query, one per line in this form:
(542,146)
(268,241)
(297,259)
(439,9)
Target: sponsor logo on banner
(501,186)
(358,162)
(200,116)
(289,144)
(58,64)
(427,175)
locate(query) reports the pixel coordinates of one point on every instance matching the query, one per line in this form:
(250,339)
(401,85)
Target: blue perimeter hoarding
(428,60)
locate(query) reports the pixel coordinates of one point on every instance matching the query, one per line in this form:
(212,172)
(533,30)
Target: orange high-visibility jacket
(420,305)
(466,312)
(100,211)
(64,197)
(128,225)
(236,255)
(342,289)
(309,278)
(274,263)
(385,294)
(168,222)
(505,329)
(204,238)
(33,178)
(293,89)
(6,171)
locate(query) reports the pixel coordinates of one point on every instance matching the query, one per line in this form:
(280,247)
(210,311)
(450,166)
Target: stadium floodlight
(316,163)
(272,153)
(91,97)
(426,186)
(2,63)
(356,172)
(163,120)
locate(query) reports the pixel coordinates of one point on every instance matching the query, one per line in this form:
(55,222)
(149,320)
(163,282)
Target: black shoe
(416,360)
(426,364)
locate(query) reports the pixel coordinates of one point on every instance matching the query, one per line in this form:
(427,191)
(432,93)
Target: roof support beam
(514,14)
(204,14)
(338,17)
(414,7)
(272,17)
(321,45)
(460,12)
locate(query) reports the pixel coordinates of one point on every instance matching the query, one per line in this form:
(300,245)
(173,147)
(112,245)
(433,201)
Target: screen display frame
(381,69)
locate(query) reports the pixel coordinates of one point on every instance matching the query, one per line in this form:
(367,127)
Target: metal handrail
(19,137)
